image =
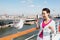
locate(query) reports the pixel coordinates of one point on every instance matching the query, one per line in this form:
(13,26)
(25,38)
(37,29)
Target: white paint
(31,37)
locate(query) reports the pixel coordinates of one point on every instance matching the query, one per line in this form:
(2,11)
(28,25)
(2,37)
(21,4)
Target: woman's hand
(37,24)
(36,21)
(51,28)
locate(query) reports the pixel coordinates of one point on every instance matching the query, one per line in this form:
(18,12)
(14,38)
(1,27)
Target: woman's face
(45,14)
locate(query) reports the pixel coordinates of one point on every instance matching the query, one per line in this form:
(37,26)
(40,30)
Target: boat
(29,21)
(57,17)
(5,23)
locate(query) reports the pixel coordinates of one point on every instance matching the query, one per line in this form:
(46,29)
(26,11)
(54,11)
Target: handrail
(12,36)
(31,36)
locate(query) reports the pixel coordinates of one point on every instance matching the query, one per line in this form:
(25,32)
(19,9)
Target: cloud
(45,2)
(23,1)
(31,5)
(30,1)
(27,1)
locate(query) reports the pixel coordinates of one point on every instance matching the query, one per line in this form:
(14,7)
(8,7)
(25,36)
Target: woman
(46,26)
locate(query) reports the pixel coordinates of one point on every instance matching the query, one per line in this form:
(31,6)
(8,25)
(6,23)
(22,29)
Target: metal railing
(12,36)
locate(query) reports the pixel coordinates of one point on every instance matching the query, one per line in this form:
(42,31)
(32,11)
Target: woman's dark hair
(46,9)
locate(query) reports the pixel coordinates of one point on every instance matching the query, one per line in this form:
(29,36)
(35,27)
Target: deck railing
(12,36)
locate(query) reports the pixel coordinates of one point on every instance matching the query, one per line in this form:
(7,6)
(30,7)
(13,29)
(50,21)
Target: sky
(28,7)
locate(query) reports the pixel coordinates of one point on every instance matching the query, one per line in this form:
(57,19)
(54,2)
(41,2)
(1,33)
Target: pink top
(43,26)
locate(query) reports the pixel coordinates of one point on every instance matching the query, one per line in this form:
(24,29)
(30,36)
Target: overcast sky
(28,7)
